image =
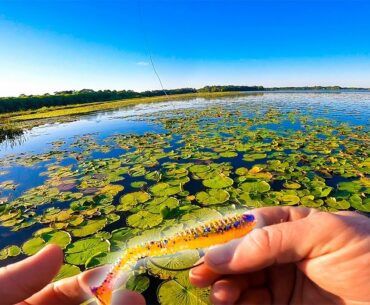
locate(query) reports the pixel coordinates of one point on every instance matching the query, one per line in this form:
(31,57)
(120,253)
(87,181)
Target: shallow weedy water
(110,180)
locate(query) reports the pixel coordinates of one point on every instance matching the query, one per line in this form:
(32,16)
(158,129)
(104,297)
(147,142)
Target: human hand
(301,256)
(28,283)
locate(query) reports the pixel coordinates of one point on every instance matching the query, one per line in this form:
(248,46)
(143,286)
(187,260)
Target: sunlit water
(343,107)
(352,108)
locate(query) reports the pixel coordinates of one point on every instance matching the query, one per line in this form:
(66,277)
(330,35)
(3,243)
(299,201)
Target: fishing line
(147,48)
(149,55)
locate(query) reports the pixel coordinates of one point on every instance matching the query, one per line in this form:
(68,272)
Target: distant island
(72,97)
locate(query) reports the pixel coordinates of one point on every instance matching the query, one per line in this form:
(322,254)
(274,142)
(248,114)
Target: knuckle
(261,239)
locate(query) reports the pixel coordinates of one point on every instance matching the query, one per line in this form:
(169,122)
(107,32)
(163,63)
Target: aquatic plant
(95,196)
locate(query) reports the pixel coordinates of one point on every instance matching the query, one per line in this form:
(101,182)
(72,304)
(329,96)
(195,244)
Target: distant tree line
(62,98)
(230,88)
(70,97)
(312,88)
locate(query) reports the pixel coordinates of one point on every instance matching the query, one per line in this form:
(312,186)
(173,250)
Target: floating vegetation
(95,195)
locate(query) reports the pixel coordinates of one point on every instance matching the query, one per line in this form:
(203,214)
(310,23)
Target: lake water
(302,148)
(353,108)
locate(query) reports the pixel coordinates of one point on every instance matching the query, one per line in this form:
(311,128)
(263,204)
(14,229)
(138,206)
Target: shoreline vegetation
(27,103)
(14,124)
(77,109)
(29,113)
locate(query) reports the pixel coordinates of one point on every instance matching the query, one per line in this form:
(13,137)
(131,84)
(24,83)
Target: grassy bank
(52,112)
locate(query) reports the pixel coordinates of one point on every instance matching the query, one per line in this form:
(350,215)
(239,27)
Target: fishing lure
(209,234)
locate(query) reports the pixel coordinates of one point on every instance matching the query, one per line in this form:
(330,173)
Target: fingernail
(195,272)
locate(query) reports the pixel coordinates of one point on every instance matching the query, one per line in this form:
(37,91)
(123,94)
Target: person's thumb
(21,280)
(280,243)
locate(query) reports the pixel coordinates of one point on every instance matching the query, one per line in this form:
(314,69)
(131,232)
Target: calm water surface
(352,108)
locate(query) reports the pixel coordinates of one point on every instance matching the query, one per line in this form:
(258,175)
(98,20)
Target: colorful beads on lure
(209,234)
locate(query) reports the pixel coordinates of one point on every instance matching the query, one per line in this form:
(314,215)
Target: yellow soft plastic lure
(209,234)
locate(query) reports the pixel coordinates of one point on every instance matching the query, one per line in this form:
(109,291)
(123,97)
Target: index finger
(204,276)
(77,289)
(273,215)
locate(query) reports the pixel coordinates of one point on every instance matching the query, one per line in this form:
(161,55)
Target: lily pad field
(99,183)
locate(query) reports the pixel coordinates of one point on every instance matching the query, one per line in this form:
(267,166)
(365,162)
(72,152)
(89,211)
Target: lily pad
(290,199)
(199,168)
(9,251)
(180,291)
(164,189)
(180,260)
(138,283)
(80,251)
(213,196)
(337,204)
(310,202)
(66,271)
(218,182)
(33,245)
(351,187)
(359,204)
(229,154)
(121,236)
(255,187)
(102,258)
(144,220)
(292,185)
(89,227)
(138,184)
(130,200)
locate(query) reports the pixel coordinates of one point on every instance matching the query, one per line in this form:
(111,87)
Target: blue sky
(47,45)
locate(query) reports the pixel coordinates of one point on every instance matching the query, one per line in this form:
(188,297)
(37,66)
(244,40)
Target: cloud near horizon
(142,63)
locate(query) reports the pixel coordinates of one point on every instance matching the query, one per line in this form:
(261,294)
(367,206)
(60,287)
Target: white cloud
(142,63)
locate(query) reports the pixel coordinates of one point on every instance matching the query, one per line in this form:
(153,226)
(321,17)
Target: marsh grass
(71,110)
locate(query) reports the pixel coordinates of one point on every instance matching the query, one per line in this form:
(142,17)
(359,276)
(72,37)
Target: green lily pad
(138,184)
(213,196)
(33,245)
(89,227)
(242,171)
(138,283)
(112,189)
(144,220)
(229,154)
(255,187)
(10,251)
(321,192)
(67,271)
(196,216)
(351,187)
(292,185)
(359,204)
(290,199)
(131,200)
(164,189)
(165,206)
(199,168)
(310,202)
(252,157)
(103,258)
(339,205)
(180,260)
(80,251)
(180,291)
(121,236)
(218,182)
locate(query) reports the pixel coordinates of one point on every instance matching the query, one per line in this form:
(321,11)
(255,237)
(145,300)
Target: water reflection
(11,136)
(343,107)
